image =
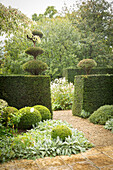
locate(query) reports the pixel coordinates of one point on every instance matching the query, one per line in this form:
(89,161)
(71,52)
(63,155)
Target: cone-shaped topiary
(62,131)
(87,64)
(44,111)
(102,114)
(34,67)
(29,117)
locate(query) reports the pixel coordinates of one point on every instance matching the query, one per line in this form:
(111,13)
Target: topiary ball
(38,33)
(62,131)
(29,117)
(44,111)
(7,114)
(35,67)
(101,115)
(87,64)
(34,51)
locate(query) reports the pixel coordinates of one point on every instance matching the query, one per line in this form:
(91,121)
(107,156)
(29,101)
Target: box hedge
(25,90)
(91,92)
(70,73)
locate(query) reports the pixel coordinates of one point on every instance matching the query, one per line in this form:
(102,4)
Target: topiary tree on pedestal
(35,67)
(87,65)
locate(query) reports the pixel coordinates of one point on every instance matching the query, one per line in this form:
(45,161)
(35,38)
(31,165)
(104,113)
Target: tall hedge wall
(70,73)
(91,92)
(21,91)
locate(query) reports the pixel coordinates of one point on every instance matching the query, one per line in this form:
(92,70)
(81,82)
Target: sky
(29,7)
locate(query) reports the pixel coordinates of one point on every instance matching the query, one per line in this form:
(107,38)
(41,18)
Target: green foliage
(101,115)
(29,117)
(9,116)
(26,90)
(109,125)
(38,33)
(62,131)
(3,104)
(35,51)
(44,111)
(37,143)
(87,64)
(61,94)
(85,114)
(35,67)
(91,92)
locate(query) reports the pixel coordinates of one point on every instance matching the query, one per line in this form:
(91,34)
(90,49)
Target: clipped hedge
(25,90)
(71,73)
(91,92)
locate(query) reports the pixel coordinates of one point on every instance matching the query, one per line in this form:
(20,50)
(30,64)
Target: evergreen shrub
(62,131)
(101,115)
(44,111)
(29,117)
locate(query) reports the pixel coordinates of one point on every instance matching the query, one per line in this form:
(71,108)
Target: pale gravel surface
(96,134)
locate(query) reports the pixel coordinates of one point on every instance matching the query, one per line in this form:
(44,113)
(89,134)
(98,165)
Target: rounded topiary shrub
(35,67)
(101,115)
(29,117)
(7,114)
(38,33)
(35,51)
(44,111)
(62,131)
(3,104)
(87,64)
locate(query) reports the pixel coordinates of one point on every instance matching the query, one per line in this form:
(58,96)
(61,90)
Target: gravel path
(94,133)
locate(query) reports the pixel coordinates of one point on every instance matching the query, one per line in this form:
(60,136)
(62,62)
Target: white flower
(32,109)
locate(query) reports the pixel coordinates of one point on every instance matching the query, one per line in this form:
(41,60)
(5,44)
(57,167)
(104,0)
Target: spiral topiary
(7,114)
(40,66)
(87,65)
(44,111)
(62,131)
(29,117)
(102,114)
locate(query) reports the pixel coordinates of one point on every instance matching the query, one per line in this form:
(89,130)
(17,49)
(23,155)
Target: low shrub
(109,125)
(62,131)
(101,115)
(85,114)
(44,111)
(62,94)
(9,116)
(29,117)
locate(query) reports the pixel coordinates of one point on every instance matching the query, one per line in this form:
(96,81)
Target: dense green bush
(8,115)
(35,67)
(87,64)
(3,104)
(29,117)
(61,94)
(35,51)
(101,115)
(62,131)
(44,111)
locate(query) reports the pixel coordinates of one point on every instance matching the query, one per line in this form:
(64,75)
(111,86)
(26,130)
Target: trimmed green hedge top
(25,90)
(91,92)
(71,73)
